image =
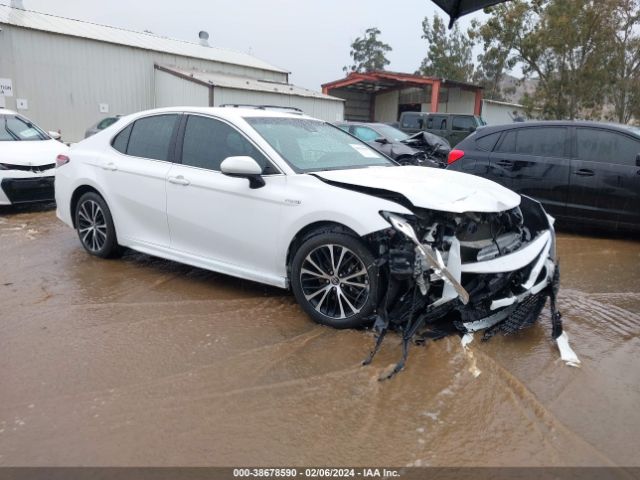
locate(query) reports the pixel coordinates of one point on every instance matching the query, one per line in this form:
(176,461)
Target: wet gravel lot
(141,361)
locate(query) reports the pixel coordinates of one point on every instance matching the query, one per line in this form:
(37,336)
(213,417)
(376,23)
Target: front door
(217,218)
(535,161)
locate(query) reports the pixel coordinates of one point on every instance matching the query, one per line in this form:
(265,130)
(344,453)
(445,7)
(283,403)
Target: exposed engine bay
(465,272)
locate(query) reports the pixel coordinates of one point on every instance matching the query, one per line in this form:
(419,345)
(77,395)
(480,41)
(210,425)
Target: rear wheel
(335,280)
(95,226)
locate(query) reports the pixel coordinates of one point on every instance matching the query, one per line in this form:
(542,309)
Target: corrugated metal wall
(172,91)
(328,110)
(357,107)
(386,109)
(65,79)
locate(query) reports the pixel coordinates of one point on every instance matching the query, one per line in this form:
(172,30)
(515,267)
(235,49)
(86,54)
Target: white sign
(104,108)
(22,104)
(6,87)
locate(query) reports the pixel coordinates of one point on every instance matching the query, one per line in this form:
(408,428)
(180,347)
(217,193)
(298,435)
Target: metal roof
(147,41)
(243,83)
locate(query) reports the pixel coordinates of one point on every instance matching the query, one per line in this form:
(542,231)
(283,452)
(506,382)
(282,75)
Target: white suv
(287,200)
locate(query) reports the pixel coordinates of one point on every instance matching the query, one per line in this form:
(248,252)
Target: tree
(624,67)
(449,53)
(368,53)
(566,44)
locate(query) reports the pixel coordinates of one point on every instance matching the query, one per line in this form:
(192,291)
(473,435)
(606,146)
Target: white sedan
(287,200)
(27,160)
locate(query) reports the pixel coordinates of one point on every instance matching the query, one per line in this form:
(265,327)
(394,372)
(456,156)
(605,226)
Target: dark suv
(583,172)
(450,126)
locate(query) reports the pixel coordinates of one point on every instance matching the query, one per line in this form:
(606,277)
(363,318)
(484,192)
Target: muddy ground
(141,361)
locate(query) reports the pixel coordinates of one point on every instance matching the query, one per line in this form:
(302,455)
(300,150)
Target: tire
(342,300)
(95,227)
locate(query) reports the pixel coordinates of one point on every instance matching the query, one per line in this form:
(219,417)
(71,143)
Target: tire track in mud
(597,314)
(530,403)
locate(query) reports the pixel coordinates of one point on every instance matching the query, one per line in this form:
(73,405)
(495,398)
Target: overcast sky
(309,38)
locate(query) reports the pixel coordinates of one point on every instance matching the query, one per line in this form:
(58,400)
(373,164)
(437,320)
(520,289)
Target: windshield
(312,145)
(14,128)
(388,131)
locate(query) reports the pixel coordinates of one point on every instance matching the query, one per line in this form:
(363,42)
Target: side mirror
(55,135)
(472,129)
(381,140)
(243,167)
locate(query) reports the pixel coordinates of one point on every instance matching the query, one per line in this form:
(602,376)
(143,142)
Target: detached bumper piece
(26,190)
(459,274)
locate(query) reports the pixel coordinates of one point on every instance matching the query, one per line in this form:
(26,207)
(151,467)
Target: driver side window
(208,142)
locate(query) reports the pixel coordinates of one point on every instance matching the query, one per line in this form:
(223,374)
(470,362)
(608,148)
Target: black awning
(457,8)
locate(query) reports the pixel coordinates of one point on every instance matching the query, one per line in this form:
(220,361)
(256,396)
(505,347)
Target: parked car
(291,201)
(584,173)
(450,126)
(389,141)
(101,125)
(27,160)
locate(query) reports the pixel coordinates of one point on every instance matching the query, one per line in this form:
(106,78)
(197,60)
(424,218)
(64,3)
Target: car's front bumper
(26,186)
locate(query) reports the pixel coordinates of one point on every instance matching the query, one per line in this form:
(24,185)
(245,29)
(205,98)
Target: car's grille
(23,190)
(28,168)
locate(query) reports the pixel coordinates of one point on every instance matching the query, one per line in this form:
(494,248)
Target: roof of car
(4,111)
(486,130)
(228,112)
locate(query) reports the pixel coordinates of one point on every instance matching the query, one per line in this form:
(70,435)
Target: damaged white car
(291,201)
(27,160)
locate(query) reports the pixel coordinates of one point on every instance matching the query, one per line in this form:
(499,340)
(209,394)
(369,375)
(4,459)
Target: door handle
(179,180)
(109,166)
(585,172)
(505,163)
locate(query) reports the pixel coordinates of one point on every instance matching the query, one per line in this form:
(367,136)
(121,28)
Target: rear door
(605,180)
(134,175)
(535,161)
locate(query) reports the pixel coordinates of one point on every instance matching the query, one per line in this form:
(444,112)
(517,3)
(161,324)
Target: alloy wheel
(92,225)
(334,281)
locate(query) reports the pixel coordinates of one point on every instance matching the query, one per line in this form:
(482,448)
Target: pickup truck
(451,126)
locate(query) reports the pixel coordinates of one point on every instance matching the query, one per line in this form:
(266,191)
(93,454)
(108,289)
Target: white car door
(218,218)
(135,178)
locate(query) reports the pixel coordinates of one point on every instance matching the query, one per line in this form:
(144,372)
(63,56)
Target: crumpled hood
(432,188)
(31,153)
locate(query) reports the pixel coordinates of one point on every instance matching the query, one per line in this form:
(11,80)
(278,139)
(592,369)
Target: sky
(310,39)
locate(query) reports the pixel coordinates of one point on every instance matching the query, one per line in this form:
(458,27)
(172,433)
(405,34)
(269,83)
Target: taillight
(454,156)
(62,160)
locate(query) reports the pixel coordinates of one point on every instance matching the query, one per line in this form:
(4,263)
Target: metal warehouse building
(67,74)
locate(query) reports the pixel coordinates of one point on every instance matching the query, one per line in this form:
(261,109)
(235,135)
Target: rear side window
(411,120)
(207,142)
(151,137)
(606,146)
(540,141)
(487,142)
(463,123)
(439,122)
(543,142)
(107,122)
(121,140)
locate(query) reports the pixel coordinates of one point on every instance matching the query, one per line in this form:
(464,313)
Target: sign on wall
(6,87)
(22,104)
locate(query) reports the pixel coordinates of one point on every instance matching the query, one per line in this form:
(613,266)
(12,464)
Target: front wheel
(95,226)
(335,280)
